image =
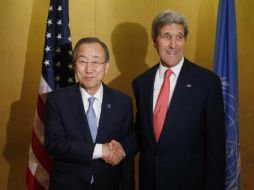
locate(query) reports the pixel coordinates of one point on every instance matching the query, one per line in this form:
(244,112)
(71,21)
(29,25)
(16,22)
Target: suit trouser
(91,186)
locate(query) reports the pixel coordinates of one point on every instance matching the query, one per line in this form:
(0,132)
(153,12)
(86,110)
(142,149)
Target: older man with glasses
(89,127)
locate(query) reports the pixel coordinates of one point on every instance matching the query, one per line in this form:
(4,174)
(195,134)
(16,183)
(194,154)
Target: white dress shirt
(97,153)
(159,78)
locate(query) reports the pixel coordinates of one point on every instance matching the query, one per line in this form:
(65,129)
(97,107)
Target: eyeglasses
(93,63)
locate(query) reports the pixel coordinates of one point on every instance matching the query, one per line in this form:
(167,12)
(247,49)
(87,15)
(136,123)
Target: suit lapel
(182,92)
(77,108)
(148,100)
(107,103)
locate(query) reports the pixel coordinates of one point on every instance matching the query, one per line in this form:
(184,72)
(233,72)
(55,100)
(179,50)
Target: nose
(172,43)
(88,68)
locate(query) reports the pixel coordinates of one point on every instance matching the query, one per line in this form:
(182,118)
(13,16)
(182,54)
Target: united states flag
(57,72)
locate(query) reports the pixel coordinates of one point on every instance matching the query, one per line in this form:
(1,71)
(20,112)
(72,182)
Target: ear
(74,66)
(107,67)
(154,43)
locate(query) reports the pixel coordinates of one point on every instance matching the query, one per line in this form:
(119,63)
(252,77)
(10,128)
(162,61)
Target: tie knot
(91,100)
(168,72)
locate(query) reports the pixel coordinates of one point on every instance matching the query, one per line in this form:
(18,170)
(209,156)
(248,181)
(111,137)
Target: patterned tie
(161,107)
(91,118)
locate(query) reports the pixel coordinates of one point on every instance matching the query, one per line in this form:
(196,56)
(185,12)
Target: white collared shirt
(159,78)
(97,102)
(97,108)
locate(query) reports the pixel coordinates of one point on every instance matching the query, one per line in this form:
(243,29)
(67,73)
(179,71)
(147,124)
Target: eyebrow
(174,34)
(83,56)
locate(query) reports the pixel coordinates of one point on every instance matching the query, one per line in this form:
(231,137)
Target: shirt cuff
(97,152)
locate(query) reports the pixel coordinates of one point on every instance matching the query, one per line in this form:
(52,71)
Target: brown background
(22,33)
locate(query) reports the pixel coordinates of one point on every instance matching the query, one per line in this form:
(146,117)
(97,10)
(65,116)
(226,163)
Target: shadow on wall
(22,112)
(129,43)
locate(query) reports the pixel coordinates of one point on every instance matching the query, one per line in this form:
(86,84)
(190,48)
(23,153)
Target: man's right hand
(113,153)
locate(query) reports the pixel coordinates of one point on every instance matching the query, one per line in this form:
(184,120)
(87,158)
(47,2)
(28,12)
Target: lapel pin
(108,106)
(188,85)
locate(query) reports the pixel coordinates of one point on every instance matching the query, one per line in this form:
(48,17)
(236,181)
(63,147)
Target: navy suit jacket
(190,153)
(69,141)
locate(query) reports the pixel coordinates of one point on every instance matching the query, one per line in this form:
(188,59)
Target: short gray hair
(168,17)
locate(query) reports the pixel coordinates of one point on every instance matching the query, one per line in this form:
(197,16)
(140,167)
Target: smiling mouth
(170,52)
(88,78)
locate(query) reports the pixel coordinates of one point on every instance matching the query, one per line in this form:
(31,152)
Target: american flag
(57,72)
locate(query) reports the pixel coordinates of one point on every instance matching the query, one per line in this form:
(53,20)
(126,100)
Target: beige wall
(22,32)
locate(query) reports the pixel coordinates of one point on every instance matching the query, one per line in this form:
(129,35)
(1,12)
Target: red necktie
(161,106)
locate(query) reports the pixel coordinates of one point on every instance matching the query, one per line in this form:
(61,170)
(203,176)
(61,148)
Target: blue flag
(225,65)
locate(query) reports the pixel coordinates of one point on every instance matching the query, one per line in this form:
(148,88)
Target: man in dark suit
(88,127)
(180,117)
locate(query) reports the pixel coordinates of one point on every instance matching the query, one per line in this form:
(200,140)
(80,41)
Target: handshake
(113,153)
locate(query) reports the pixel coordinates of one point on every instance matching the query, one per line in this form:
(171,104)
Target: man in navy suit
(188,151)
(90,152)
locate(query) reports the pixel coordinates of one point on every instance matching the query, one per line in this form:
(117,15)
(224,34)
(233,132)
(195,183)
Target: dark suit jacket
(190,152)
(68,140)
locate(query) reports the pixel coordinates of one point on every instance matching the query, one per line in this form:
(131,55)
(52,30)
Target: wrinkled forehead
(89,57)
(171,28)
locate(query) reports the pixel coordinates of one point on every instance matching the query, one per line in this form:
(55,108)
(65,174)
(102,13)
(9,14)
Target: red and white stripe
(39,160)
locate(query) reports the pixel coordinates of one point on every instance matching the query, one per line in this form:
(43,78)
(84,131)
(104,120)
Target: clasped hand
(113,153)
